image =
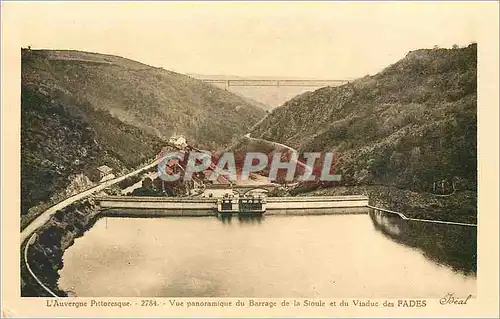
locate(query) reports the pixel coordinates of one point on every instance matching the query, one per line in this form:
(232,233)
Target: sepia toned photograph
(241,152)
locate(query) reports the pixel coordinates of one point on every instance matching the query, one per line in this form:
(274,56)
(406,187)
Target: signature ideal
(451,299)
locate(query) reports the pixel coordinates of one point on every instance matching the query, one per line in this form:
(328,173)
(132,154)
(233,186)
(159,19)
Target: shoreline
(46,253)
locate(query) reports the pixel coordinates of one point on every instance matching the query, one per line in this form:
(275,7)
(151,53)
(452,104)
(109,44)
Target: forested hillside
(62,138)
(81,110)
(412,126)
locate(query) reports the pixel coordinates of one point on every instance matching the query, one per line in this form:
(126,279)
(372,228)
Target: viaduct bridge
(273,82)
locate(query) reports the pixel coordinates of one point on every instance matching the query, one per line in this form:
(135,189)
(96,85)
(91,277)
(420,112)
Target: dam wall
(198,206)
(317,205)
(140,206)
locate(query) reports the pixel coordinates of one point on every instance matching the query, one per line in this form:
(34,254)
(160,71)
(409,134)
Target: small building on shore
(178,141)
(99,173)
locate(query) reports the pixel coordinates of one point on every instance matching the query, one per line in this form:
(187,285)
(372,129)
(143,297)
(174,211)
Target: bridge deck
(275,82)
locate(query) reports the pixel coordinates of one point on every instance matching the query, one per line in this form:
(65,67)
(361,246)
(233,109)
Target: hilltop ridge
(159,101)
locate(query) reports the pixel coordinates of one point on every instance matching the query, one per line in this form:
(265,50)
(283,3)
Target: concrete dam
(200,206)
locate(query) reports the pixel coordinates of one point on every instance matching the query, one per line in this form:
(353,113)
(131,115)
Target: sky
(324,40)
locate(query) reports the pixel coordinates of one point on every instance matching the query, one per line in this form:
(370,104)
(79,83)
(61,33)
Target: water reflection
(226,218)
(451,245)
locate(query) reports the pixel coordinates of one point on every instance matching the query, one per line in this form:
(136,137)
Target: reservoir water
(373,255)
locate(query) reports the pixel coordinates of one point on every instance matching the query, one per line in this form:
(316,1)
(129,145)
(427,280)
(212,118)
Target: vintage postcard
(250,159)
